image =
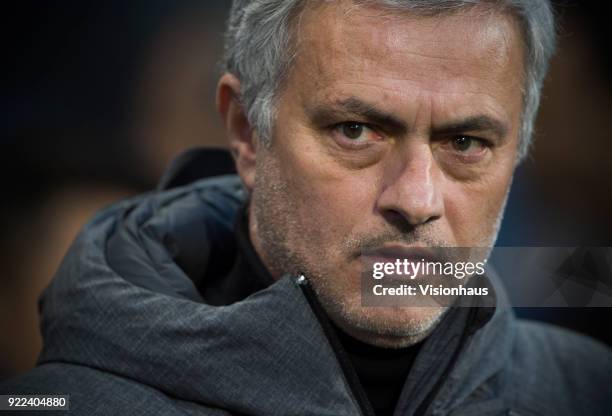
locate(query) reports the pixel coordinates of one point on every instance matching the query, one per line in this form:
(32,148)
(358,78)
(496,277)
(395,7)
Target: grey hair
(259,51)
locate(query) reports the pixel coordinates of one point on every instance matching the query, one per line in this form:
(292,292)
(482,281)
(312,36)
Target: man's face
(393,131)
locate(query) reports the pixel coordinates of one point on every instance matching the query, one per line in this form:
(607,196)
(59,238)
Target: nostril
(405,222)
(432,219)
(398,220)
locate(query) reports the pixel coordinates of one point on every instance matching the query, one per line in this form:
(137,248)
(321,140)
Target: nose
(411,189)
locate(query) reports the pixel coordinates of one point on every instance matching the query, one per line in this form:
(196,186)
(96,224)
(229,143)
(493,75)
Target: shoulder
(562,347)
(562,369)
(95,392)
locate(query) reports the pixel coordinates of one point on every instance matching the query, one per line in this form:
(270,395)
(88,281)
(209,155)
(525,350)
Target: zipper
(350,374)
(345,364)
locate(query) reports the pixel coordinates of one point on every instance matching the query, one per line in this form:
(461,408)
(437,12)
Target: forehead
(474,53)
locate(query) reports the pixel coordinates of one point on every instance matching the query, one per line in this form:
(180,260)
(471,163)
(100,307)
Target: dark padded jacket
(127,331)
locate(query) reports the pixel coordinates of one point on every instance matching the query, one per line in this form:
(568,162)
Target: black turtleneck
(382,372)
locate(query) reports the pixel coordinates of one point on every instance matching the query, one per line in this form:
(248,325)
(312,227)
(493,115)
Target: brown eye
(464,144)
(355,135)
(352,131)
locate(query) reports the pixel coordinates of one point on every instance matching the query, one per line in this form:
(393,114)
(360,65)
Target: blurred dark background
(98,98)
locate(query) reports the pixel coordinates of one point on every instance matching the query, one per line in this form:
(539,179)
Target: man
(361,131)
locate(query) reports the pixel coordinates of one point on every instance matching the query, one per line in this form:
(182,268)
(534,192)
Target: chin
(389,327)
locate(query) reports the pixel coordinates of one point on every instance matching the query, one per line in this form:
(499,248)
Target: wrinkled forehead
(475,40)
(475,53)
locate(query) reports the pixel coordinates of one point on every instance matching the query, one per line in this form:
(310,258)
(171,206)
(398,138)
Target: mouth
(397,263)
(393,252)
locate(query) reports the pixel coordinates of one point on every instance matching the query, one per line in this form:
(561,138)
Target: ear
(241,136)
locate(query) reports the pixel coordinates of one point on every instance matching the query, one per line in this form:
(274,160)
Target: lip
(400,251)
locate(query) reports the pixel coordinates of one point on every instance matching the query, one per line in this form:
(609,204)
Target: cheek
(331,201)
(472,209)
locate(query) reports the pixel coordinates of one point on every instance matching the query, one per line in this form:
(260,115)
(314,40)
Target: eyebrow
(474,123)
(361,109)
